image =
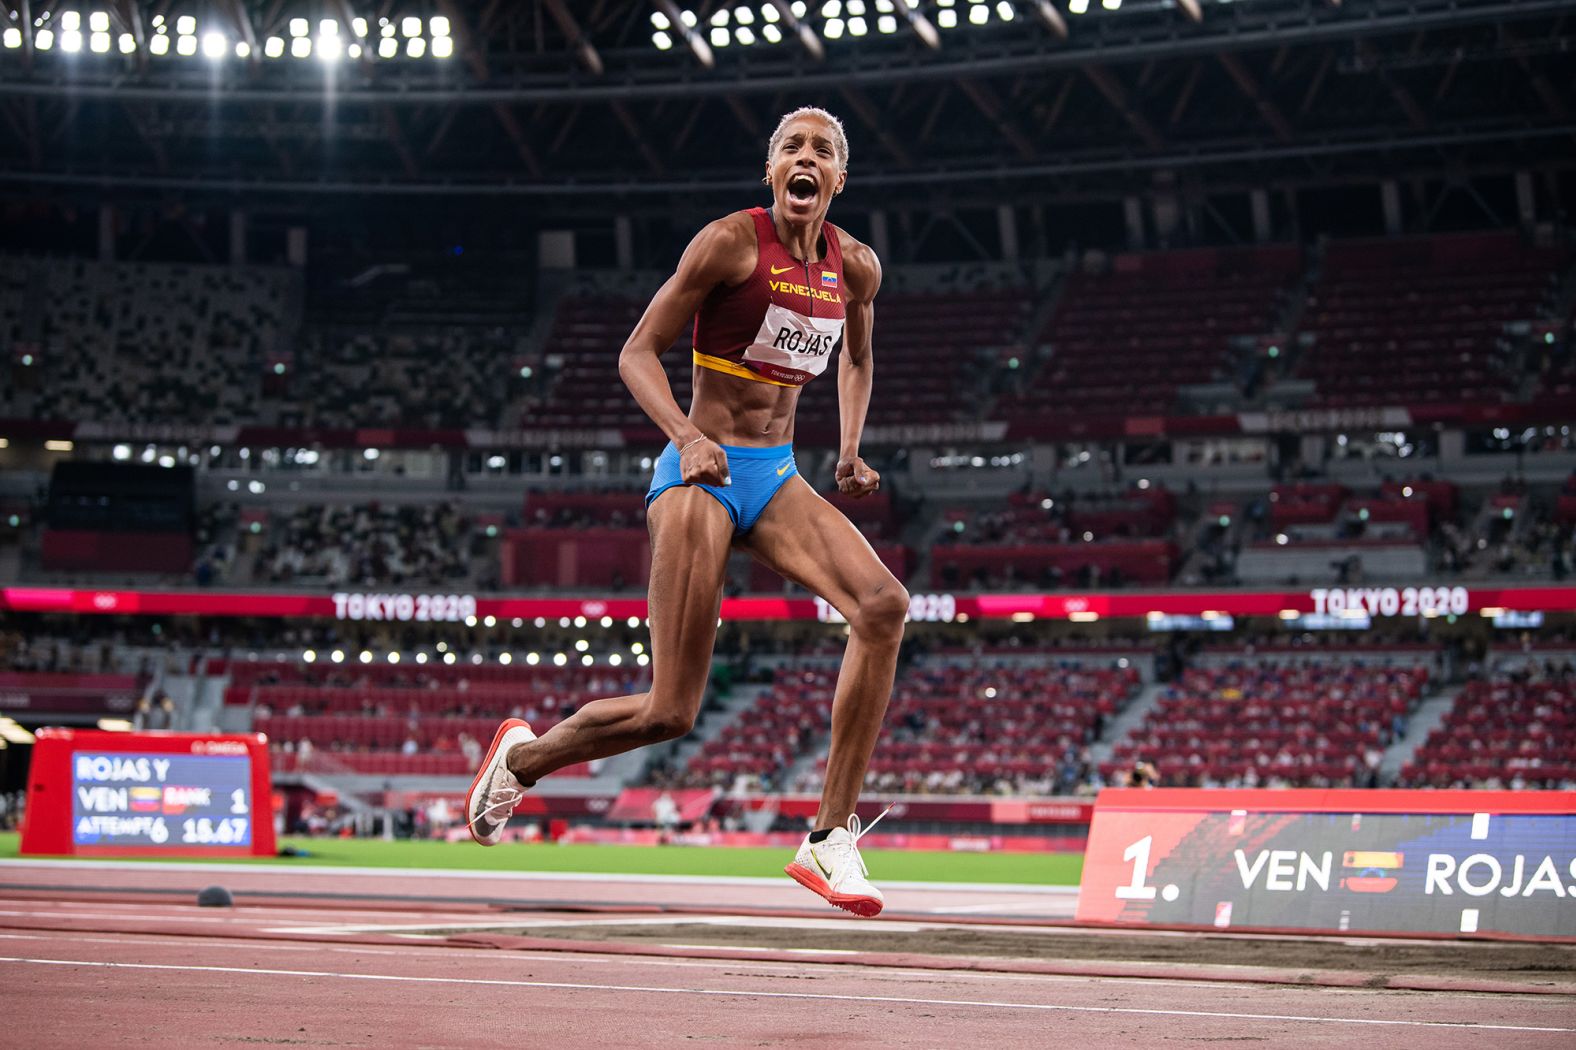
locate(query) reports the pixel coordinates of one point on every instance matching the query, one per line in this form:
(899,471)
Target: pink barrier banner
(1408,601)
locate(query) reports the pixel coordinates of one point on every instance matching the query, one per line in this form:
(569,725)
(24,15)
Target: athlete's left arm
(856,367)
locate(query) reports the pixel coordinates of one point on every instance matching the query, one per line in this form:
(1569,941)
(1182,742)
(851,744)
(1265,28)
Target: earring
(766,180)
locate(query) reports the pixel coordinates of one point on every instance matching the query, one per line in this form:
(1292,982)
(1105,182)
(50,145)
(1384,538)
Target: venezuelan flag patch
(828,279)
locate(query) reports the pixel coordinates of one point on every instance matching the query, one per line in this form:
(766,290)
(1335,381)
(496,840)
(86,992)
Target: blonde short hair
(839,136)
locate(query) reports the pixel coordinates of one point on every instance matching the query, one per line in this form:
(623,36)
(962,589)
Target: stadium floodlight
(416,46)
(98,21)
(1004,11)
(327,27)
(338,656)
(886,25)
(979,14)
(359,26)
(689,18)
(301,47)
(772,34)
(660,20)
(122,452)
(13,37)
(833,29)
(410,26)
(642,659)
(99,43)
(300,27)
(744,35)
(443,47)
(744,16)
(719,36)
(243,49)
(438,25)
(533,658)
(615,659)
(70,22)
(388,28)
(856,7)
(354,50)
(798,8)
(720,17)
(831,9)
(559,659)
(128,43)
(214,45)
(662,41)
(186,25)
(1111,5)
(274,47)
(588,659)
(857,27)
(70,40)
(366,656)
(947,18)
(388,47)
(310,656)
(329,48)
(506,659)
(1078,7)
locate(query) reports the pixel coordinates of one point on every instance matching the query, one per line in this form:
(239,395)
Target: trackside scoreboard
(1337,860)
(92,793)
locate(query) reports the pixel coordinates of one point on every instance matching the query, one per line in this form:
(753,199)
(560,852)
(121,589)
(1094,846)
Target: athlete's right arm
(721,253)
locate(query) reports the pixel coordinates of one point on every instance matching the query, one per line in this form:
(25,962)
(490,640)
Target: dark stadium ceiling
(575,102)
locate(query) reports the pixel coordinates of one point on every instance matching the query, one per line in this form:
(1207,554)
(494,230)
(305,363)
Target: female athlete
(775,293)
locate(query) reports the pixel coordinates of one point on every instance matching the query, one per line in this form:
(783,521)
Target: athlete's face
(804,171)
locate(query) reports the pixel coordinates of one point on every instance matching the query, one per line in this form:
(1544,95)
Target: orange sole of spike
(470,802)
(864,907)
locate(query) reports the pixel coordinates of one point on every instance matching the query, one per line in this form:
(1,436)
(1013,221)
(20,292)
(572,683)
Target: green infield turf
(1050,869)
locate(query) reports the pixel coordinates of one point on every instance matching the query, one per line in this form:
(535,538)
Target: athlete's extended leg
(690,534)
(809,541)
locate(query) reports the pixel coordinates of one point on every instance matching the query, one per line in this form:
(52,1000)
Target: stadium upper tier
(1401,322)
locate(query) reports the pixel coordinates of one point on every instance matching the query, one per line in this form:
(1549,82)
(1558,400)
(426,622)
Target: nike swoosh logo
(783,469)
(824,869)
(785,269)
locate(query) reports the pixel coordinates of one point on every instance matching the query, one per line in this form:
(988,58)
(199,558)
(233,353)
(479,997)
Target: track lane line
(811,996)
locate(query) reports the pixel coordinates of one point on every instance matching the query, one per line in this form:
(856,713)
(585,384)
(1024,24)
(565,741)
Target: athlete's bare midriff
(735,411)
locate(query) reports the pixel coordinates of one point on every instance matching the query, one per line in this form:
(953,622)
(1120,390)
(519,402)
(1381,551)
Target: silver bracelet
(691,444)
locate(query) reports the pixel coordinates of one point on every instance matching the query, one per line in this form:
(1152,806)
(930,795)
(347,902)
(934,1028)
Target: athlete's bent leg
(809,541)
(690,536)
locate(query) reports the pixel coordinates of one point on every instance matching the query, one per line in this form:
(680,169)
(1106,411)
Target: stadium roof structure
(580,103)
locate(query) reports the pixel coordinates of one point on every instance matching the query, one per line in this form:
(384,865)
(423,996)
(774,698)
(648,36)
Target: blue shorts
(756,473)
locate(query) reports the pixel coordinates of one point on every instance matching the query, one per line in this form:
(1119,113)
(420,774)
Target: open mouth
(801,189)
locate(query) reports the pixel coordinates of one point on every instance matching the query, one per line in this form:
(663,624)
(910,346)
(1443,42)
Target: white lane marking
(517,876)
(783,922)
(756,994)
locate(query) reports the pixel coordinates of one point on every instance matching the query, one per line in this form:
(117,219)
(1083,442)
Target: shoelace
(856,830)
(498,798)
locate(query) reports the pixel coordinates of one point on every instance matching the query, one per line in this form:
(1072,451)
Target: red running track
(95,970)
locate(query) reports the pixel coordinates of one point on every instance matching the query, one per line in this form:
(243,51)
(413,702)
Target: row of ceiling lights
(854,18)
(67,32)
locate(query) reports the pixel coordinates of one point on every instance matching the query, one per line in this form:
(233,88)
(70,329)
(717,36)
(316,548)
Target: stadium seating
(1300,724)
(411,720)
(1417,320)
(365,545)
(956,724)
(1122,342)
(1508,731)
(142,342)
